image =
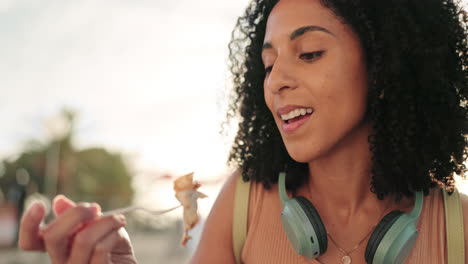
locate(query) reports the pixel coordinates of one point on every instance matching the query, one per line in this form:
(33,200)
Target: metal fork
(125,210)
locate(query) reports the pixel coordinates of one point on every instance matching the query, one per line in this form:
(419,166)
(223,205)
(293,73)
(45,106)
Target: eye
(311,56)
(268,69)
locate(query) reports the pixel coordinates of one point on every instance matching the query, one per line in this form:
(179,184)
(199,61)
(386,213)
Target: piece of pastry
(187,194)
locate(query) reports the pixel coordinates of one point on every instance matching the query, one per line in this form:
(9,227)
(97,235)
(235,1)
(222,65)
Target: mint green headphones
(391,241)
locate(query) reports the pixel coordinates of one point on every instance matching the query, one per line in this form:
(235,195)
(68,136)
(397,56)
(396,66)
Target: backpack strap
(239,225)
(454,228)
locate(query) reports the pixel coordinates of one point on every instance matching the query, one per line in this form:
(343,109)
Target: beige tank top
(265,244)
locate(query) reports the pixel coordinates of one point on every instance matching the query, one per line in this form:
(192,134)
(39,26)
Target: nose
(281,77)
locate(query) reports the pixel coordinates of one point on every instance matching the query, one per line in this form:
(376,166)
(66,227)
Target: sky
(147,78)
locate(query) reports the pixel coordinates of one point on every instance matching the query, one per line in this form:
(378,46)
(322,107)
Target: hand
(77,235)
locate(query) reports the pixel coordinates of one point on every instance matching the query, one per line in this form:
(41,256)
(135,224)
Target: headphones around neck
(391,241)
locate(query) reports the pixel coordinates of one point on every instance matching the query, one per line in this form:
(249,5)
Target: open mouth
(294,119)
(298,118)
(297,115)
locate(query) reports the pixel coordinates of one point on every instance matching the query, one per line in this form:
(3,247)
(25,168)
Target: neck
(341,179)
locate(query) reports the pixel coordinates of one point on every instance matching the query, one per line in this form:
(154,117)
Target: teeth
(296,113)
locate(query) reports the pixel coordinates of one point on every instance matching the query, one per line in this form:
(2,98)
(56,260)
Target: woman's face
(316,82)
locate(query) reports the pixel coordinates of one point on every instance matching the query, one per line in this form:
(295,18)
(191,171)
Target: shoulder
(216,242)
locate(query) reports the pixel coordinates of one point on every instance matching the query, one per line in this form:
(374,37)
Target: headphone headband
(416,212)
(282,188)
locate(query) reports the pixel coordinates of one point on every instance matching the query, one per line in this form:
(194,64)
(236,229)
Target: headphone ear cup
(316,222)
(304,228)
(379,233)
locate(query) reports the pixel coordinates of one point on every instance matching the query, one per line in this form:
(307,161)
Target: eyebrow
(299,32)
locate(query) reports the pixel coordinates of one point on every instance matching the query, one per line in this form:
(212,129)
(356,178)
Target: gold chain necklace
(346,259)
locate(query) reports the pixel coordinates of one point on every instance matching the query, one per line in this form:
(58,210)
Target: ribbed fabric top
(266,241)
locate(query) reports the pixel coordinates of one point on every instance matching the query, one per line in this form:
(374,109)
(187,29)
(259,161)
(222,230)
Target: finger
(102,251)
(87,239)
(29,237)
(61,204)
(98,208)
(57,235)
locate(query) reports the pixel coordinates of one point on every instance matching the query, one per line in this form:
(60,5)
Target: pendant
(346,260)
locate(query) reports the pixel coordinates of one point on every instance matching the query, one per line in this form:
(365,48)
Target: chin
(302,158)
(303,154)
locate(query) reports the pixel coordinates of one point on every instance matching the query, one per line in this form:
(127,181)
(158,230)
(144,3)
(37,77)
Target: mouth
(293,117)
(296,115)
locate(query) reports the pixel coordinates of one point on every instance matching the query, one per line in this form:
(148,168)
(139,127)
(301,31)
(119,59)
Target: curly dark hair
(415,55)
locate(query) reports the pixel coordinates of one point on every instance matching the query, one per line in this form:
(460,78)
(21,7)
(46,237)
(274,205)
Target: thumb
(28,237)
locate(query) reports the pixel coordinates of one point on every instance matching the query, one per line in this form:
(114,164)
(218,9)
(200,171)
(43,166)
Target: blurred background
(110,101)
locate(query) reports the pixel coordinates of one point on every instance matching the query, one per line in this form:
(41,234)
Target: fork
(125,210)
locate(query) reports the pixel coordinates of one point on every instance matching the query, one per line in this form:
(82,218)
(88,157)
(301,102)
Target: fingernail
(96,209)
(121,219)
(36,209)
(59,196)
(88,207)
(63,198)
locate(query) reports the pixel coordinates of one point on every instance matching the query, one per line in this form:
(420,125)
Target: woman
(362,103)
(368,99)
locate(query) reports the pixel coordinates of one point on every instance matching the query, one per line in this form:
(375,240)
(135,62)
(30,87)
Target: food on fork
(187,194)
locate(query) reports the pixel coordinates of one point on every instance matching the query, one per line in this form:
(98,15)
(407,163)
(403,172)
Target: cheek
(356,93)
(346,101)
(347,91)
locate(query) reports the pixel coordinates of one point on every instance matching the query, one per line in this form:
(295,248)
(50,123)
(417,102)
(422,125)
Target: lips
(294,116)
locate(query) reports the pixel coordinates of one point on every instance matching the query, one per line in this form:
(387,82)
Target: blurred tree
(56,166)
(102,177)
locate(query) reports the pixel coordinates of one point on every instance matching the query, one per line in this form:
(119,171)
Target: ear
(61,204)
